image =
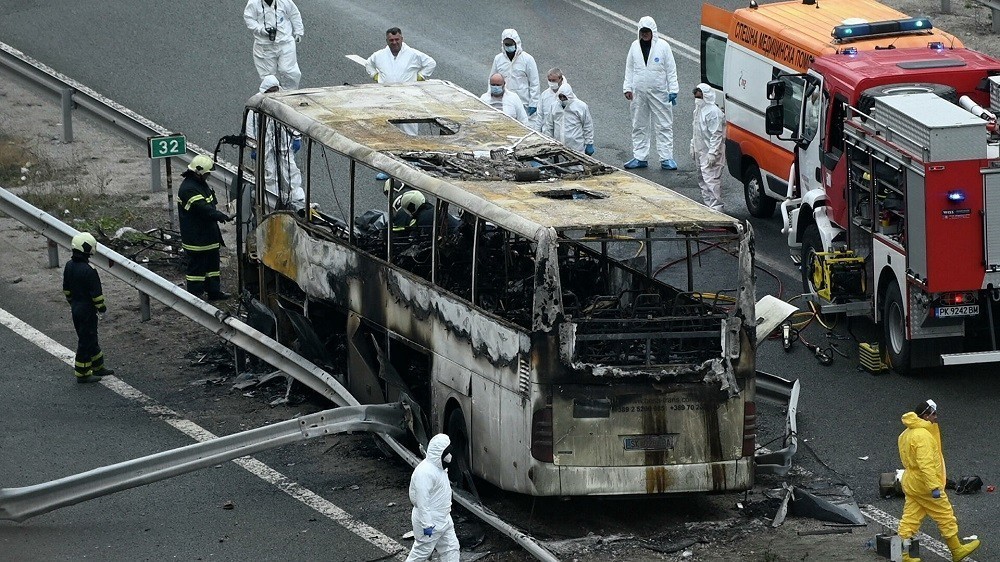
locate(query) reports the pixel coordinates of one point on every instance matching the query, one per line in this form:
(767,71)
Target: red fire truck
(892,202)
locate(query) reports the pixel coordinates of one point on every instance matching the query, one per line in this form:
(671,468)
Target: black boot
(88,378)
(219,296)
(104,372)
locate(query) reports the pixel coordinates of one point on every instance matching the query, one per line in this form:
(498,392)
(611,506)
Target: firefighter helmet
(411,201)
(84,242)
(201,164)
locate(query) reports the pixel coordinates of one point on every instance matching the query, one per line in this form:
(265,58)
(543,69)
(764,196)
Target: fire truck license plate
(952,311)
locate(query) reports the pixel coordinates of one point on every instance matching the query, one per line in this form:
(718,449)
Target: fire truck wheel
(758,202)
(897,347)
(811,244)
(867,100)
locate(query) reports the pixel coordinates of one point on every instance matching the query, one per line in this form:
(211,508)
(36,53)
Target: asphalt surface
(187,65)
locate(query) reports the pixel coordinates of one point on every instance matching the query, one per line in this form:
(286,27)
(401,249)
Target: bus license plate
(953,311)
(650,442)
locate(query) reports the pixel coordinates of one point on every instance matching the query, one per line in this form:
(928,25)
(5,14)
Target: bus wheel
(894,330)
(460,472)
(759,203)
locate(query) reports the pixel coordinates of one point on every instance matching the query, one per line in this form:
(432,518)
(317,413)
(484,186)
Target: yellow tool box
(838,276)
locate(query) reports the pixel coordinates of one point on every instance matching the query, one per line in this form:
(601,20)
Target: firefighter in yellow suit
(924,480)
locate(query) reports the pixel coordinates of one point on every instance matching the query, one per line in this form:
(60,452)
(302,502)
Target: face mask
(553,85)
(564,103)
(447,458)
(496,90)
(699,101)
(510,48)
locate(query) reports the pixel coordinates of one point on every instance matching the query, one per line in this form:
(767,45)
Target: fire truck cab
(892,185)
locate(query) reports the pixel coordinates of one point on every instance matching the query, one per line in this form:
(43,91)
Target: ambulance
(878,135)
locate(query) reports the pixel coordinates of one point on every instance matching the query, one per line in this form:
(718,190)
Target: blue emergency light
(956,196)
(888,27)
(849,51)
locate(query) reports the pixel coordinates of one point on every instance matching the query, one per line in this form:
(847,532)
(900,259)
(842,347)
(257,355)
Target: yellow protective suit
(921,454)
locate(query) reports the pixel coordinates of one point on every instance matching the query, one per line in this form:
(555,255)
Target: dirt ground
(101,183)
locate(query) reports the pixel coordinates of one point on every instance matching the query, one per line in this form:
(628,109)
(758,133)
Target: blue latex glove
(296,145)
(936,493)
(428,531)
(589,149)
(253,154)
(672,98)
(531,110)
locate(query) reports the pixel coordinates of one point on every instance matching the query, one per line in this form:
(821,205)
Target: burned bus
(575,329)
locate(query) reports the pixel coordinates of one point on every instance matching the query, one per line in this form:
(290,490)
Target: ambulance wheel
(867,100)
(759,203)
(812,278)
(897,347)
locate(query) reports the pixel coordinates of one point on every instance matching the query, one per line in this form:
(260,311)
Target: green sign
(167,146)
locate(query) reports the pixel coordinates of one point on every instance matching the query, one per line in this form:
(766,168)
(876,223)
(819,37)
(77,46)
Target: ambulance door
(714,35)
(809,147)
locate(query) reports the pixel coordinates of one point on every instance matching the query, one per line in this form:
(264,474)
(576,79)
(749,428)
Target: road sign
(167,146)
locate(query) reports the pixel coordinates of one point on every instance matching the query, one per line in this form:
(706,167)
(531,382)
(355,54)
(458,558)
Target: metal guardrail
(20,504)
(74,93)
(994,7)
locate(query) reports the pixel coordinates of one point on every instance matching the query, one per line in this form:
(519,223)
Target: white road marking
(593,8)
(357,59)
(253,466)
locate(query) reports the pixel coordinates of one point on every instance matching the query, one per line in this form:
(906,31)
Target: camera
(272,32)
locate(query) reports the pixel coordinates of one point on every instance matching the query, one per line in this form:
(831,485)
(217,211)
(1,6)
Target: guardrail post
(53,255)
(945,6)
(67,114)
(144,314)
(155,181)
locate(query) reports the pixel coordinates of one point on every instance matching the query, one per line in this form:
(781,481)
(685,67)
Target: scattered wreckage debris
(819,500)
(159,246)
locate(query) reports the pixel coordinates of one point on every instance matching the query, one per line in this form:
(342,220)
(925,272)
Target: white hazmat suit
(549,101)
(409,65)
(276,148)
(430,494)
(652,81)
(277,57)
(572,124)
(708,127)
(521,74)
(510,104)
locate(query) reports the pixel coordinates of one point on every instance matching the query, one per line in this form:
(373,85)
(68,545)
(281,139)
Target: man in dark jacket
(82,287)
(200,234)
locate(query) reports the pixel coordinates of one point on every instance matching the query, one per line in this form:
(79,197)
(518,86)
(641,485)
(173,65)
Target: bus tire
(811,245)
(897,347)
(461,473)
(759,203)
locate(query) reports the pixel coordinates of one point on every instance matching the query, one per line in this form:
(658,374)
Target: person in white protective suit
(571,123)
(398,63)
(520,72)
(548,101)
(651,88)
(430,494)
(276,27)
(707,129)
(499,97)
(278,147)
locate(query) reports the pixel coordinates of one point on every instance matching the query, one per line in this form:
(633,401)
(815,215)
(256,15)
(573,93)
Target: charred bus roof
(476,156)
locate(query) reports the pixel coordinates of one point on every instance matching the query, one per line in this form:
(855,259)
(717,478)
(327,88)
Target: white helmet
(201,164)
(84,242)
(411,201)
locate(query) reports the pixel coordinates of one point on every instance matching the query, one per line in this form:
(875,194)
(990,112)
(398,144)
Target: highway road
(187,65)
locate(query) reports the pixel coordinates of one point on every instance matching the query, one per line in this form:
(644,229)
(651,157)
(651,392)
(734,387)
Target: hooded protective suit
(706,146)
(651,80)
(548,102)
(278,57)
(572,124)
(430,494)
(924,470)
(280,169)
(521,74)
(510,104)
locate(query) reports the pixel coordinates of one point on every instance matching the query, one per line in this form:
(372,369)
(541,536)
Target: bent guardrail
(787,392)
